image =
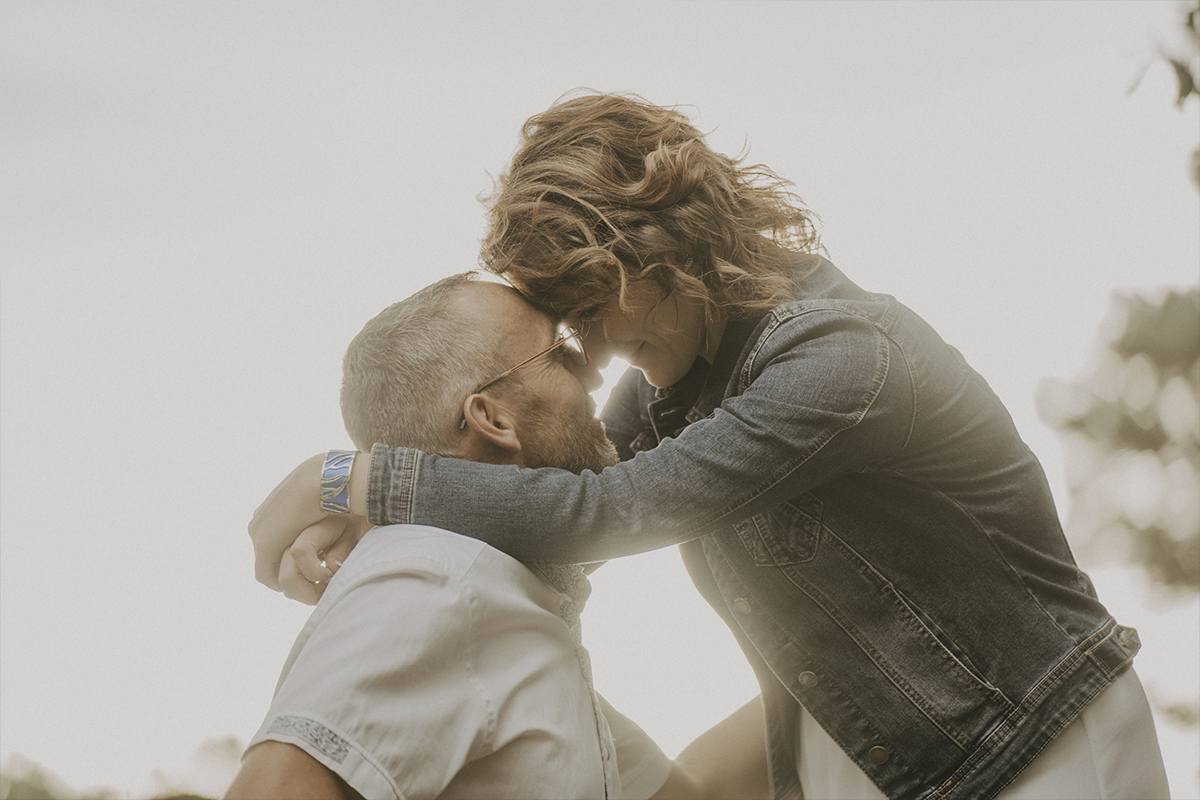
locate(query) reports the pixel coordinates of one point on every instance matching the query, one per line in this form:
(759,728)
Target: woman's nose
(589,375)
(599,349)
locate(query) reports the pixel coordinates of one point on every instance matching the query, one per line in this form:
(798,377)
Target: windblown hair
(407,372)
(605,189)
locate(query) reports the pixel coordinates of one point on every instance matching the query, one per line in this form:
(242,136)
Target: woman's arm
(726,762)
(823,396)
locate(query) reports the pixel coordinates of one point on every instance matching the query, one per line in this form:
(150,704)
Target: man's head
(411,376)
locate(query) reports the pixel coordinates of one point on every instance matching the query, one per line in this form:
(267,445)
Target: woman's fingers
(294,585)
(307,566)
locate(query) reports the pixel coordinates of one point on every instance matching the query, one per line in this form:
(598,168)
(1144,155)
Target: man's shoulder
(388,542)
(405,546)
(431,552)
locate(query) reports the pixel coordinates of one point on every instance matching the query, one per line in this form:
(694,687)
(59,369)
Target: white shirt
(436,666)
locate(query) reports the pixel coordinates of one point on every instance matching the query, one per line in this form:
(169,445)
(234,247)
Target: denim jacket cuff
(393,477)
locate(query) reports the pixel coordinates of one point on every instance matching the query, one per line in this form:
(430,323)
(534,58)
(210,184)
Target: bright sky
(202,202)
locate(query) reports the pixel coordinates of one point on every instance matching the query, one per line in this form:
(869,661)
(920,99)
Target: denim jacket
(856,503)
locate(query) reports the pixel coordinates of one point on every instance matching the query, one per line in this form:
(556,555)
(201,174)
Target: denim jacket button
(878,755)
(741,605)
(808,679)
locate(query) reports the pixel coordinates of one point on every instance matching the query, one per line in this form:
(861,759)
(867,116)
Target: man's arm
(272,770)
(726,762)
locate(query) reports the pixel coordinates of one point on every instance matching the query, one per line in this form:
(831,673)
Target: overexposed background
(202,202)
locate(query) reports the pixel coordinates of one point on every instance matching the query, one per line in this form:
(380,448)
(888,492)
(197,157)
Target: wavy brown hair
(605,189)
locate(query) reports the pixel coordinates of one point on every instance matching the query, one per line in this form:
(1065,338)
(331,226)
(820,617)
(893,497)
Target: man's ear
(491,434)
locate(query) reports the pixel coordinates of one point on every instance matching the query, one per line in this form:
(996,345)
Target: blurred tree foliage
(1187,72)
(1183,57)
(1132,427)
(1184,71)
(1132,435)
(22,779)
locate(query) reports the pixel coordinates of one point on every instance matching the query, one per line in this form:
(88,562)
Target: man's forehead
(506,309)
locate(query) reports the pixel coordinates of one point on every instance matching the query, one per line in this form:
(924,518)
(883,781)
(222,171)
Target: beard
(576,442)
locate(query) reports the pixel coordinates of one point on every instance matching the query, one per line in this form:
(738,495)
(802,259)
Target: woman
(849,495)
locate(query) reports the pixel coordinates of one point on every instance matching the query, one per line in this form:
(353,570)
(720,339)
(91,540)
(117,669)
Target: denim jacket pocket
(787,534)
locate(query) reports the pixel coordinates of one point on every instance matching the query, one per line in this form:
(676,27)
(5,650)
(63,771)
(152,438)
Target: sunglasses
(569,339)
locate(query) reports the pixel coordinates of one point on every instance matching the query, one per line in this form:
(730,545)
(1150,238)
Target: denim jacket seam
(798,308)
(748,370)
(879,660)
(410,474)
(913,388)
(1004,559)
(376,505)
(881,374)
(882,327)
(781,315)
(863,718)
(1078,653)
(891,315)
(885,665)
(841,741)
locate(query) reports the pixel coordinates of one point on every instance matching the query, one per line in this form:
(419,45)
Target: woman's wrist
(360,479)
(345,478)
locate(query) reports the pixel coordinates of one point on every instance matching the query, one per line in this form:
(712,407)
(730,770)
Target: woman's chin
(661,377)
(662,367)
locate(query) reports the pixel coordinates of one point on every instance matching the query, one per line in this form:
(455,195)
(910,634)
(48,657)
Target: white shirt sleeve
(643,765)
(435,666)
(394,641)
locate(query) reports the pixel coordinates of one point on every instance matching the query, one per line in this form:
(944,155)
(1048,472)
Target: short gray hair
(406,374)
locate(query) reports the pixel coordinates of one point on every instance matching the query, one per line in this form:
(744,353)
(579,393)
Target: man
(434,665)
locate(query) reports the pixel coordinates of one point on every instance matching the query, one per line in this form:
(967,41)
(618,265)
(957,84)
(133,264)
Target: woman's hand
(296,544)
(306,567)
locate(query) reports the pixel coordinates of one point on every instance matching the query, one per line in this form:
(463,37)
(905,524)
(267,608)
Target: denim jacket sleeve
(819,394)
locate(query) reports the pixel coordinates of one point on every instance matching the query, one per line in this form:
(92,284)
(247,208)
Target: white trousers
(1108,752)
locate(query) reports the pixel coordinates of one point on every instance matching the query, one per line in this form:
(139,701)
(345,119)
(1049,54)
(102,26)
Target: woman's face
(660,335)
